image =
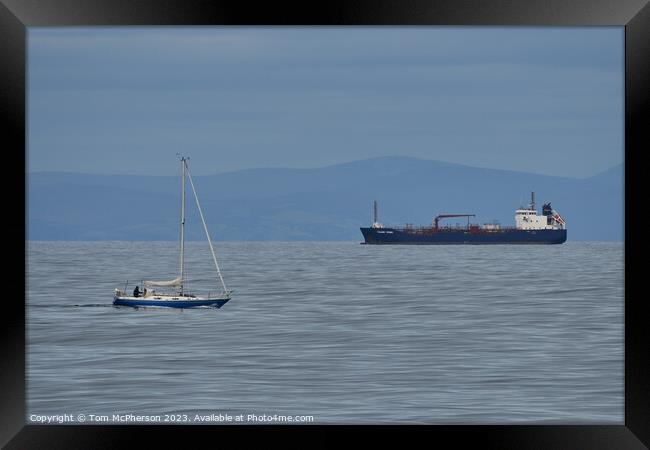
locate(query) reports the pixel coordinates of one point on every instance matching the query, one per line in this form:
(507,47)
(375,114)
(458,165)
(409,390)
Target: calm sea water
(343,332)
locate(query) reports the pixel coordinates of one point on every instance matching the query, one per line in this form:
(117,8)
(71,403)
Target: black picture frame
(634,15)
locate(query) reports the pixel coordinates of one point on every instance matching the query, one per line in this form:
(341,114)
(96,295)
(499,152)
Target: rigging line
(205,227)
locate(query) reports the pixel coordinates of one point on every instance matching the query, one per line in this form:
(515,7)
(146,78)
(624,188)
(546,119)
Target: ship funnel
(374,211)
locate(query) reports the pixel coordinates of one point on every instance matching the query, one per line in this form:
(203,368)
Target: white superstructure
(528,219)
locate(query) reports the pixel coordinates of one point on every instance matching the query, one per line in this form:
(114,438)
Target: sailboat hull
(169,303)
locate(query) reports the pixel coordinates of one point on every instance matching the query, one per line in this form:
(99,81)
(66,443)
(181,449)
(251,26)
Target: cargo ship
(530,228)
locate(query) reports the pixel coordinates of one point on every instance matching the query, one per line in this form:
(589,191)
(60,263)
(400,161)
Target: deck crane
(444,216)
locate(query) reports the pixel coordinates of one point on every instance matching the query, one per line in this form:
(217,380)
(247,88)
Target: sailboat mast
(182,219)
(205,227)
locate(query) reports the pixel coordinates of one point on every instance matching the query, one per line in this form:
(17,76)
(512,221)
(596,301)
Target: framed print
(198,178)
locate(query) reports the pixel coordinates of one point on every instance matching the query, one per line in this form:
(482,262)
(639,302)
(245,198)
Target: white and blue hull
(170,302)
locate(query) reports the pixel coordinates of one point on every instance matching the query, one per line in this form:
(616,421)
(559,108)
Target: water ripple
(344,332)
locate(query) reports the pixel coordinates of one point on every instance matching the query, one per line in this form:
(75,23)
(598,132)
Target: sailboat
(175,296)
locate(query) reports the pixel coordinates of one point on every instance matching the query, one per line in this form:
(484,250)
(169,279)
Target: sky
(125,100)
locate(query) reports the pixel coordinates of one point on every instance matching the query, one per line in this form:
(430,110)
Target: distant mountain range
(328,203)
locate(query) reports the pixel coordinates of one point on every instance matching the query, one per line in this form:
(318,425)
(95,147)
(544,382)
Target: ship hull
(394,236)
(181,303)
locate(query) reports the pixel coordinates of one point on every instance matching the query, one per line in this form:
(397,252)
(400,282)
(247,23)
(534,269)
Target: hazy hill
(328,203)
